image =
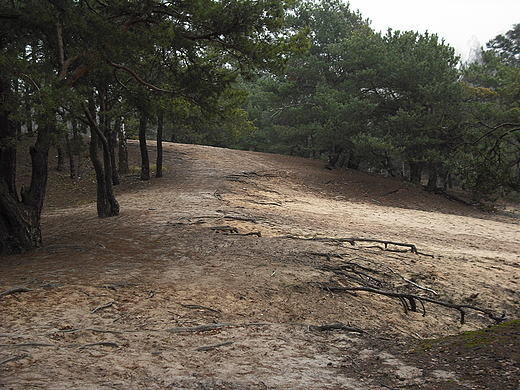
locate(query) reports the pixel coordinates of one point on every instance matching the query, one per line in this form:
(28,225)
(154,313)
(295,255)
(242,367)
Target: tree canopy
(83,60)
(399,103)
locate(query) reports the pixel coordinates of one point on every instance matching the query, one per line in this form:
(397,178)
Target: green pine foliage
(398,103)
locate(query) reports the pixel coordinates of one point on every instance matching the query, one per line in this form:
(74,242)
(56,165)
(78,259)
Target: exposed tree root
(409,302)
(352,241)
(337,326)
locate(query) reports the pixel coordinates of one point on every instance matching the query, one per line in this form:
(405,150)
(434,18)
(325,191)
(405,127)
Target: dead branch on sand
(14,290)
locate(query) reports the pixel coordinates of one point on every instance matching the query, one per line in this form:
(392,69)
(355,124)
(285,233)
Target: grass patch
(505,336)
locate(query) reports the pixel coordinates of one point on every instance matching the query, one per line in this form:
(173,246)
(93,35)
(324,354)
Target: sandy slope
(168,295)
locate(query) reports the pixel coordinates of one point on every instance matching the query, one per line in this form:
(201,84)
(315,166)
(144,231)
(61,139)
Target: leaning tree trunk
(145,159)
(160,125)
(107,205)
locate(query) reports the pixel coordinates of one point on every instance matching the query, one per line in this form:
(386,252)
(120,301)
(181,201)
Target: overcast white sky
(459,22)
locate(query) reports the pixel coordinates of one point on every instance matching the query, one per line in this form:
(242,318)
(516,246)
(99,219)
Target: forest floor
(233,272)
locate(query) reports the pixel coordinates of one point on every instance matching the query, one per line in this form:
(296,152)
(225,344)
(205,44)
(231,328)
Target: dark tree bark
(160,125)
(20,230)
(7,157)
(123,149)
(60,167)
(109,134)
(29,123)
(433,175)
(20,220)
(334,155)
(112,141)
(70,155)
(7,140)
(416,169)
(107,205)
(353,162)
(145,159)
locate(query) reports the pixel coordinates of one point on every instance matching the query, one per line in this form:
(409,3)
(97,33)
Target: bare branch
(136,76)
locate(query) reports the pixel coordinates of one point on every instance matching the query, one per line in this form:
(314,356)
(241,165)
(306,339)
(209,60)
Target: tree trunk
(109,137)
(433,175)
(20,229)
(7,140)
(334,155)
(112,142)
(70,155)
(416,169)
(160,125)
(123,149)
(107,205)
(145,159)
(20,220)
(60,167)
(353,162)
(15,229)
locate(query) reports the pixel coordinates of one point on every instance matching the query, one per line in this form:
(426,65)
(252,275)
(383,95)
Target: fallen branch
(103,307)
(231,230)
(200,328)
(352,241)
(14,290)
(337,326)
(258,234)
(102,343)
(225,229)
(107,331)
(14,358)
(391,192)
(412,298)
(28,345)
(210,347)
(441,192)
